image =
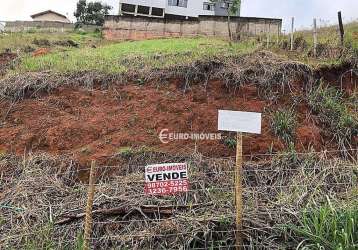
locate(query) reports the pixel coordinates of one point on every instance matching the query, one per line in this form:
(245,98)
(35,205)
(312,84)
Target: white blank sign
(246,122)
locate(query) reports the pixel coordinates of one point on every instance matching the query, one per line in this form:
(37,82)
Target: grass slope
(122,56)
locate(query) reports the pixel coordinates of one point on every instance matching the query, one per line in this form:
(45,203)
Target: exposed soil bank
(95,124)
(342,76)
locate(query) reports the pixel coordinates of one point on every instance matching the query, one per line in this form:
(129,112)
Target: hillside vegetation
(94,53)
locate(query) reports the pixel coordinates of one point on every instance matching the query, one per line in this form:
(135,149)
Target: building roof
(47,12)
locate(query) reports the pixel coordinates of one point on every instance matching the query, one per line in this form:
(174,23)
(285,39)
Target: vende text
(166,179)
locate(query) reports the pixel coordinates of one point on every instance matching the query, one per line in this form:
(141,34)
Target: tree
(91,13)
(233,7)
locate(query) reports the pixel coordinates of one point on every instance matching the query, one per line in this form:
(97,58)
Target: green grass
(20,40)
(352,35)
(79,242)
(327,228)
(124,56)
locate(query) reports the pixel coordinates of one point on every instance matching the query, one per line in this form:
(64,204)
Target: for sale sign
(166,179)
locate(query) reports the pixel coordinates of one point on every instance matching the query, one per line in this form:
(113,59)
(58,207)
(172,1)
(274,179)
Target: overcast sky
(303,10)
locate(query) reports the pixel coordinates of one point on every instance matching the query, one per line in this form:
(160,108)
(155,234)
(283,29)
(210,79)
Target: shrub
(283,123)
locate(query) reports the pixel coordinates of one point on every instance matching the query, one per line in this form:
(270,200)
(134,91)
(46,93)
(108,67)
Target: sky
(303,10)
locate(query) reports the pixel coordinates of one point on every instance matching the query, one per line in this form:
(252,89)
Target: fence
(322,40)
(43,201)
(137,28)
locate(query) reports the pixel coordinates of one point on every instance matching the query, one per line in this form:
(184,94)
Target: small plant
(85,150)
(230,142)
(126,152)
(140,81)
(327,228)
(2,221)
(79,242)
(43,239)
(287,158)
(283,124)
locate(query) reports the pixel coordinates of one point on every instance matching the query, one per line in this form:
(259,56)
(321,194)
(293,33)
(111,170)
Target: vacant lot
(73,98)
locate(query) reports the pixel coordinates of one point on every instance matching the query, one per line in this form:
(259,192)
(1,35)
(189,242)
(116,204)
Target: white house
(176,8)
(51,16)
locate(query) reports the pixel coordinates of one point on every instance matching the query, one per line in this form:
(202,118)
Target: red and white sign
(166,179)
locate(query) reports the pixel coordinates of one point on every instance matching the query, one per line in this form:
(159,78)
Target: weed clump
(283,123)
(328,104)
(300,43)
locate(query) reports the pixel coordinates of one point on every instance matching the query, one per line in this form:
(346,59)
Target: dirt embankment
(94,117)
(95,124)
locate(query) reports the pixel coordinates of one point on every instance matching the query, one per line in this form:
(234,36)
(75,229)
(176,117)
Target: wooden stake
(268,40)
(229,27)
(341,28)
(278,34)
(315,37)
(90,197)
(292,32)
(238,191)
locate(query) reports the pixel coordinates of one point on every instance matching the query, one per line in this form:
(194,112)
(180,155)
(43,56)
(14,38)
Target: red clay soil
(96,124)
(341,76)
(41,52)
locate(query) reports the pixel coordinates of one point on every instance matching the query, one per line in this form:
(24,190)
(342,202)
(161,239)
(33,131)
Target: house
(50,16)
(173,8)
